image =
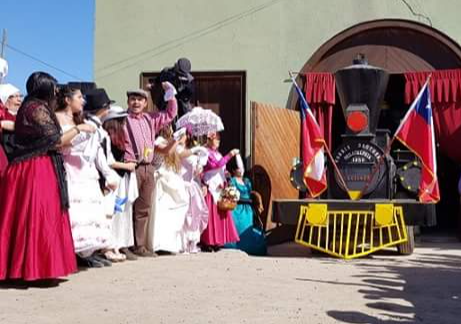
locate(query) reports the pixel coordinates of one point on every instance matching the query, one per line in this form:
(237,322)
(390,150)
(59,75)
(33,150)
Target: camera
(179,75)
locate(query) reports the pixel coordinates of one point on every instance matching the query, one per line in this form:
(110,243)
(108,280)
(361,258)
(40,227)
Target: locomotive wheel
(408,247)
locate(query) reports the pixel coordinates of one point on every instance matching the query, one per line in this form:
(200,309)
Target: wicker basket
(225,204)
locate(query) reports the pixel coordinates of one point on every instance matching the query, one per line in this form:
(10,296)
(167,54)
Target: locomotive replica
(371,202)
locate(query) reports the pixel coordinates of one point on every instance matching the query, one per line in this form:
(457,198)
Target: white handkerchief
(239,161)
(179,133)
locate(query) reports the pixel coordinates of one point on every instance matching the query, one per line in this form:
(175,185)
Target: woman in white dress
(90,227)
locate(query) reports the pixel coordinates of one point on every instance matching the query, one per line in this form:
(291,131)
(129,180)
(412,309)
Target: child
(252,240)
(99,149)
(170,201)
(127,192)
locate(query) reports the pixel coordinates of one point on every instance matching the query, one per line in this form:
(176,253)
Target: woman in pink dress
(221,228)
(35,235)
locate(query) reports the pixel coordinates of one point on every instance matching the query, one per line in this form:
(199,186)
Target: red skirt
(221,228)
(3,161)
(35,235)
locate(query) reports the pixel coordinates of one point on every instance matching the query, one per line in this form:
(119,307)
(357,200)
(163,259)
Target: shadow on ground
(23,285)
(425,288)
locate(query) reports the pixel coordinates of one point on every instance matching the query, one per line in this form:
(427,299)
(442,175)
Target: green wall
(266,38)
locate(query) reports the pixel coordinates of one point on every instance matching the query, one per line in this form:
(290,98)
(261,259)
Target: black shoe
(216,248)
(102,260)
(81,262)
(90,262)
(164,253)
(206,248)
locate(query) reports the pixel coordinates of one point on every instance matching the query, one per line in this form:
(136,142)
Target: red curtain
(445,86)
(320,94)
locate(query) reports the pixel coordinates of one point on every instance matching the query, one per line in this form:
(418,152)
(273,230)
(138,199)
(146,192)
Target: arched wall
(393,44)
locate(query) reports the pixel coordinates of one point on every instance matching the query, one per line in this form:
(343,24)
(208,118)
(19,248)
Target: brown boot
(141,251)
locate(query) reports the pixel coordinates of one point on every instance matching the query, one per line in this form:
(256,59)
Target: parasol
(200,122)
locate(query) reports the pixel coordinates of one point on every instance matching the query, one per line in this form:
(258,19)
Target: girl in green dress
(252,239)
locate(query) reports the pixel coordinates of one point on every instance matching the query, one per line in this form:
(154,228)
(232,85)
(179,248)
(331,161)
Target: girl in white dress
(127,192)
(179,211)
(170,201)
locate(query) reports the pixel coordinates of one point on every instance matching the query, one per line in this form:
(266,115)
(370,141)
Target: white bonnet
(7,90)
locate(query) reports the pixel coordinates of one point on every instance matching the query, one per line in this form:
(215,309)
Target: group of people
(84,182)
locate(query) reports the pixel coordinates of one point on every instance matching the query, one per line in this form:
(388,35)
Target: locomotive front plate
(357,160)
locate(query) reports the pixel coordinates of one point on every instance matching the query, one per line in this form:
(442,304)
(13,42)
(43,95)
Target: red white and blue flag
(416,132)
(312,149)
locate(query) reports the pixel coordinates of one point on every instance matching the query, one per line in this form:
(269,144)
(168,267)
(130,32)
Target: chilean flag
(416,132)
(312,146)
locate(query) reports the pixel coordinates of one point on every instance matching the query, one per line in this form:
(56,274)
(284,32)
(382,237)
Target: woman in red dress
(35,235)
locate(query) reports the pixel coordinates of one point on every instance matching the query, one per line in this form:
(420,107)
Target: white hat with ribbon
(115,112)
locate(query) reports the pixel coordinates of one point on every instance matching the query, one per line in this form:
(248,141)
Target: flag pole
(335,166)
(2,53)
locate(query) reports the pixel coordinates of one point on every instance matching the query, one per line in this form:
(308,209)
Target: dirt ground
(231,287)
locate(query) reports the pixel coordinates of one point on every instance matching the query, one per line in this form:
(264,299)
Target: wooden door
(275,142)
(225,94)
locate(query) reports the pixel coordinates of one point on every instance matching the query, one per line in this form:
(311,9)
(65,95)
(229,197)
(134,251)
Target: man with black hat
(140,130)
(97,107)
(180,76)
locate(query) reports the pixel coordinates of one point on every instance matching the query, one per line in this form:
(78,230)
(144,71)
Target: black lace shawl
(37,132)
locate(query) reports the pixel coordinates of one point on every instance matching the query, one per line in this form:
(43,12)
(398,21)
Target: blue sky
(58,32)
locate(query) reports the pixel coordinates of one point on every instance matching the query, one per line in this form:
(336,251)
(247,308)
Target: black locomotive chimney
(361,88)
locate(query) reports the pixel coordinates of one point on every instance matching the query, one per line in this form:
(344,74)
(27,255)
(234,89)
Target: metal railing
(350,233)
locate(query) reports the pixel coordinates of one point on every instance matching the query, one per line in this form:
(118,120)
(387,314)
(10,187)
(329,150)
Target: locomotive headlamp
(357,116)
(357,121)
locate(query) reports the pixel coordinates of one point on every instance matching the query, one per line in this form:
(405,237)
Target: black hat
(183,68)
(97,99)
(85,87)
(183,65)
